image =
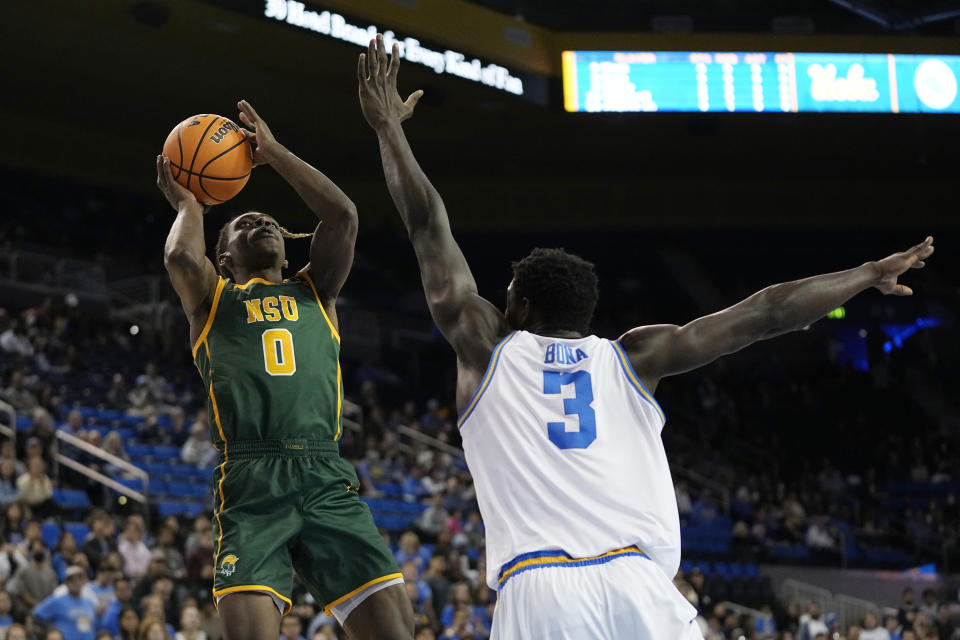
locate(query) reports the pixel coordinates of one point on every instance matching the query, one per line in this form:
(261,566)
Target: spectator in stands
(892,626)
(136,555)
(72,614)
(99,542)
(101,589)
(290,628)
(63,553)
(198,450)
(153,608)
(199,546)
(14,523)
(907,606)
(35,487)
(190,625)
(929,604)
(116,398)
(156,569)
(410,550)
(153,629)
(436,579)
(103,634)
(871,630)
(16,632)
(122,599)
(8,451)
(113,444)
(434,518)
(946,630)
(424,632)
(41,435)
(459,598)
(8,483)
(75,423)
(6,612)
(812,623)
(17,395)
(178,432)
(129,623)
(14,342)
(174,559)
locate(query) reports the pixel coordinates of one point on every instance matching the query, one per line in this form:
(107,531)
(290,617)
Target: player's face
(256,240)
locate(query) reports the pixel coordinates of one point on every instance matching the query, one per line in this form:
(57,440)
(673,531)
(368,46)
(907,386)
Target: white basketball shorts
(619,597)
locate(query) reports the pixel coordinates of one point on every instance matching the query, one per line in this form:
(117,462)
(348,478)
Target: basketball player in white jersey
(560,429)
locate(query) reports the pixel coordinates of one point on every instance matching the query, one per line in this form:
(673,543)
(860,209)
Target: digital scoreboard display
(597,81)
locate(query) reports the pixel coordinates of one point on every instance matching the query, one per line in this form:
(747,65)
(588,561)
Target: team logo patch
(228,565)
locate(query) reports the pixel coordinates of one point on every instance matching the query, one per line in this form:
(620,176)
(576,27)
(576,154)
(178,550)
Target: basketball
(210,156)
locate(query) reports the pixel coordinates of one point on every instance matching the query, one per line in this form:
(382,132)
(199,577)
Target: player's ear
(224,259)
(523,311)
(285,264)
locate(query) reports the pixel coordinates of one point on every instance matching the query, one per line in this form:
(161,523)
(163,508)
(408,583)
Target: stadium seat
(162,452)
(136,484)
(51,534)
(23,423)
(139,450)
(109,415)
(71,499)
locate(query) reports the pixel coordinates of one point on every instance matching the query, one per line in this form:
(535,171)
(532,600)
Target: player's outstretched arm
(185,256)
(662,350)
(332,246)
(471,324)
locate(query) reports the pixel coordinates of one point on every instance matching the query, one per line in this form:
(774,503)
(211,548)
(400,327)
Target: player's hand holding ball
(379,100)
(264,146)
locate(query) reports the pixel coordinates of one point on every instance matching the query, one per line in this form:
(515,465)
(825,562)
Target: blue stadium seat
(23,423)
(163,452)
(179,509)
(157,486)
(51,534)
(109,415)
(71,499)
(179,489)
(164,421)
(157,468)
(140,450)
(132,419)
(126,433)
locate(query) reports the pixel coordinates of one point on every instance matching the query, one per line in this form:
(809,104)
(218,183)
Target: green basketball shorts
(285,506)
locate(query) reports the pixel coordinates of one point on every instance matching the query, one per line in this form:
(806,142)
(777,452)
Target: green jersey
(269,359)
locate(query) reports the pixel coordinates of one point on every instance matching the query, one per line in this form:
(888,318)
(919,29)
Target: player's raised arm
(193,275)
(332,246)
(471,324)
(663,350)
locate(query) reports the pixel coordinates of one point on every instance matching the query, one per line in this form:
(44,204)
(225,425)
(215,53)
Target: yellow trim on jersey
(252,587)
(339,404)
(313,287)
(634,380)
(213,312)
(392,576)
(255,281)
(494,359)
(562,558)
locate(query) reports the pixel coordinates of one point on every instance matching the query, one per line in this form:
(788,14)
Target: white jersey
(563,442)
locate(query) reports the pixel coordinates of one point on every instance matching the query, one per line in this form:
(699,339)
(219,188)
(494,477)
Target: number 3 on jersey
(278,356)
(578,405)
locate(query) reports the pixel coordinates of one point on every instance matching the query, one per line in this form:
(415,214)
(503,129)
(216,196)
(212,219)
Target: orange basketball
(210,156)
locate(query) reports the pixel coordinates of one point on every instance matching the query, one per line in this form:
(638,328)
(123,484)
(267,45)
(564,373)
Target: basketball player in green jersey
(268,352)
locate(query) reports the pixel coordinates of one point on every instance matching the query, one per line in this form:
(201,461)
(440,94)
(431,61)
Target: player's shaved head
(561,290)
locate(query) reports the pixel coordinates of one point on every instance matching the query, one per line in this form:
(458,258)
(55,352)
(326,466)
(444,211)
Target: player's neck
(274,274)
(551,332)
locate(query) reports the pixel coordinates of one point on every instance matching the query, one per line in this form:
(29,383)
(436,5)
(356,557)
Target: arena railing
(430,441)
(849,610)
(692,476)
(742,610)
(95,475)
(50,273)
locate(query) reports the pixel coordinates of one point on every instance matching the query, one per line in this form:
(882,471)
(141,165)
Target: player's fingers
(903,290)
(381,53)
(413,99)
(247,108)
(372,61)
(362,68)
(919,264)
(394,61)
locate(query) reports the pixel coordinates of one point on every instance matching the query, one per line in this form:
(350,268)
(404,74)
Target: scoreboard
(760,82)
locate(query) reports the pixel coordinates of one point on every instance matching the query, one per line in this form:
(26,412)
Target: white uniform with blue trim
(572,480)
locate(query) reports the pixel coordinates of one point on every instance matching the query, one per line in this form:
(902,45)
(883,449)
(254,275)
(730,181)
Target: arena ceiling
(91,90)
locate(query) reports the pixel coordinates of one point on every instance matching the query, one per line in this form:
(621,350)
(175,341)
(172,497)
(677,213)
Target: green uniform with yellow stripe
(285,500)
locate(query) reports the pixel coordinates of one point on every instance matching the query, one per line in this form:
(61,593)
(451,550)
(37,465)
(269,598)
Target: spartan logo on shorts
(228,565)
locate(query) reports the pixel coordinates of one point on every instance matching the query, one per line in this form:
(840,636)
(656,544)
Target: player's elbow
(776,316)
(179,258)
